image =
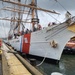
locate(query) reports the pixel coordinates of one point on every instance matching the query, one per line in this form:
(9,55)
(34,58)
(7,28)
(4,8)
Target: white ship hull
(39,43)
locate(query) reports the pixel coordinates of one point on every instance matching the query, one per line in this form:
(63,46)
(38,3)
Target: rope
(43,59)
(23,11)
(4,29)
(57,32)
(36,10)
(52,4)
(52,16)
(28,14)
(62,6)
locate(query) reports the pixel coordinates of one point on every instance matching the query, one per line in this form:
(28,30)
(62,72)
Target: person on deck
(39,27)
(49,24)
(27,31)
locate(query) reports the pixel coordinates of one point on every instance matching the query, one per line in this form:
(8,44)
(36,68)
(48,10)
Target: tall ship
(47,42)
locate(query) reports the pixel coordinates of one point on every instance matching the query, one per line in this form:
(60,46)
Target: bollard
(33,62)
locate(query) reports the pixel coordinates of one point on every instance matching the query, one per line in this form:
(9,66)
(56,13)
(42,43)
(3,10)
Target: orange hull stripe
(26,43)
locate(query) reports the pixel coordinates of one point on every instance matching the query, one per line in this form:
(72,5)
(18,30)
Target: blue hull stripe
(21,45)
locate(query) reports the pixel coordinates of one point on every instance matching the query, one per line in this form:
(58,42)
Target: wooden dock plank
(19,69)
(0,67)
(4,66)
(11,65)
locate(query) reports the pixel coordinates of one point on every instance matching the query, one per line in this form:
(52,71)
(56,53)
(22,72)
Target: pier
(11,63)
(0,68)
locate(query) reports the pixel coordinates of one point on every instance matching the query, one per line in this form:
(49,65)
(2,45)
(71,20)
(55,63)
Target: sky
(50,4)
(60,6)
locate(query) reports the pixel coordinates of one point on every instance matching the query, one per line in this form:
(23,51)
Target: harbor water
(66,66)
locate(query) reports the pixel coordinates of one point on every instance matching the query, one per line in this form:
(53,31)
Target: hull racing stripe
(26,43)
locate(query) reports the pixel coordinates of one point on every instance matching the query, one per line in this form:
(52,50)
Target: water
(66,66)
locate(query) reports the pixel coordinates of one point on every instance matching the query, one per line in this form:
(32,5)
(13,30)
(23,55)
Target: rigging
(62,6)
(52,16)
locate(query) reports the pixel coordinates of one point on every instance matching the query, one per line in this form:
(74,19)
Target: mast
(29,6)
(34,19)
(33,12)
(19,17)
(32,6)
